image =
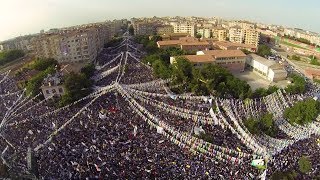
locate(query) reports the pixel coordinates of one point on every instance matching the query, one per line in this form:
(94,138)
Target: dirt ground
(256,81)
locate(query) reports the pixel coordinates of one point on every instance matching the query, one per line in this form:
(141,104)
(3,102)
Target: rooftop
(52,80)
(199,58)
(224,53)
(262,60)
(231,44)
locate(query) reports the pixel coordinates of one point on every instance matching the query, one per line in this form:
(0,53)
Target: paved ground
(255,81)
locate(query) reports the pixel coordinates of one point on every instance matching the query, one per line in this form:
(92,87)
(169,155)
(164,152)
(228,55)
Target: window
(53,91)
(47,91)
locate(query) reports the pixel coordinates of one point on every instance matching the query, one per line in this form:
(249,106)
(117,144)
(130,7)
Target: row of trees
(303,112)
(294,57)
(302,40)
(262,125)
(8,56)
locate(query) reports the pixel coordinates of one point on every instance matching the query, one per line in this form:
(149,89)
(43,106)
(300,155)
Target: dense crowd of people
(133,127)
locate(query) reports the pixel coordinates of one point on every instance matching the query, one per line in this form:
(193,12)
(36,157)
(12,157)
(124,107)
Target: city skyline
(31,16)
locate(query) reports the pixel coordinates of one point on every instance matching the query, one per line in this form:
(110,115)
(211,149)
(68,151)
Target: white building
(268,69)
(52,86)
(236,34)
(184,28)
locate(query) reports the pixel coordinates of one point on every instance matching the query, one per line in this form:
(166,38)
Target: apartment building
(164,30)
(22,43)
(233,60)
(236,34)
(219,34)
(205,32)
(251,37)
(145,28)
(189,28)
(75,45)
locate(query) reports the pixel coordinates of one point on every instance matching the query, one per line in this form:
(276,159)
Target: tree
(161,70)
(42,64)
(156,38)
(11,55)
(245,51)
(264,50)
(303,112)
(88,70)
(131,29)
(34,84)
(198,36)
(77,86)
(298,85)
(305,164)
(264,124)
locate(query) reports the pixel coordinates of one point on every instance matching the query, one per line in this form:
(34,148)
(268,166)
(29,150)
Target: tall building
(236,34)
(219,34)
(189,28)
(252,37)
(80,44)
(205,32)
(164,29)
(22,43)
(145,28)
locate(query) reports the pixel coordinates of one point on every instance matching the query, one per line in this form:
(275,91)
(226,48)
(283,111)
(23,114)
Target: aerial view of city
(150,89)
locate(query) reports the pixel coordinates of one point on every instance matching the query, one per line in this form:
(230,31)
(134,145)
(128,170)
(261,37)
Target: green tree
(161,70)
(156,38)
(245,51)
(8,56)
(34,84)
(88,70)
(42,64)
(264,50)
(77,86)
(305,164)
(198,36)
(302,112)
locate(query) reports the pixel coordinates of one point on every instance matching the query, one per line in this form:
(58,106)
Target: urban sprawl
(161,98)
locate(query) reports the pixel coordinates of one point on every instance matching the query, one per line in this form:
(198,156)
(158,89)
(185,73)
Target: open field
(293,45)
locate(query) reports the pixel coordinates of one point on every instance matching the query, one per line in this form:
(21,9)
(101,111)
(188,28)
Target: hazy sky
(20,17)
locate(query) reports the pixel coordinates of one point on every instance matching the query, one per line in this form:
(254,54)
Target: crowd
(133,127)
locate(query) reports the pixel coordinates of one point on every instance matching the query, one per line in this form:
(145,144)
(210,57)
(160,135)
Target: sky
(21,17)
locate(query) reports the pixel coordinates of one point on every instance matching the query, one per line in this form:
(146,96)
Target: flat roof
(194,43)
(199,58)
(169,42)
(224,53)
(262,60)
(231,44)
